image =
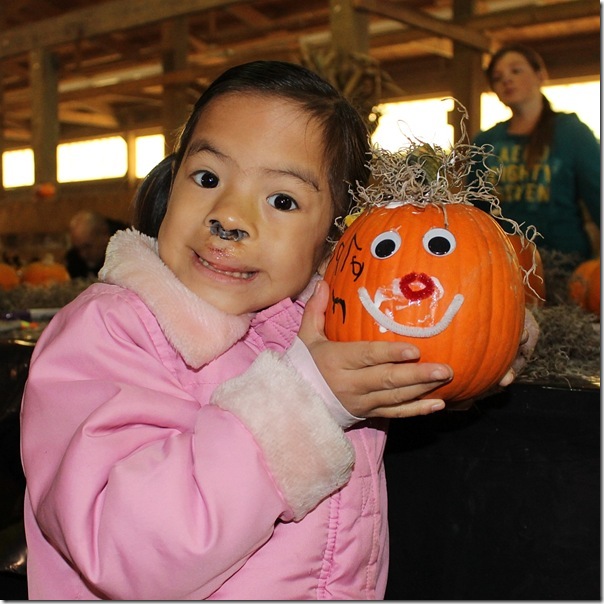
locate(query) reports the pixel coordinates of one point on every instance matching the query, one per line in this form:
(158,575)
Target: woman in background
(550,161)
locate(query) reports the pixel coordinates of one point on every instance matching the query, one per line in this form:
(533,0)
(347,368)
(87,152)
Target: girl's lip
(225,270)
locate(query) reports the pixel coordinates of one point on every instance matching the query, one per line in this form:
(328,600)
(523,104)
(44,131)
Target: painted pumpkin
(9,278)
(44,272)
(443,277)
(584,285)
(530,260)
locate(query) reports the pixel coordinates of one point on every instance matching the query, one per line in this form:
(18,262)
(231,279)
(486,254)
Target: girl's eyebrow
(199,145)
(202,145)
(304,177)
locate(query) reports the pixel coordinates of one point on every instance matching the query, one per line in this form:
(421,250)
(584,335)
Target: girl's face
(254,163)
(515,81)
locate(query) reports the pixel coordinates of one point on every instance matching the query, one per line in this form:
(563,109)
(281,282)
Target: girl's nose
(232,217)
(417,286)
(227,234)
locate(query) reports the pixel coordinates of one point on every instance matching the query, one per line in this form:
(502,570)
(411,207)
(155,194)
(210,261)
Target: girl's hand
(371,379)
(527,346)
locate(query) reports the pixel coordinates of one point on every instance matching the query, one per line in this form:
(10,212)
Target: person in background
(550,161)
(89,233)
(188,431)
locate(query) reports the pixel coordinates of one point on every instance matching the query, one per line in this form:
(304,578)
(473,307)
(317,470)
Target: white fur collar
(197,330)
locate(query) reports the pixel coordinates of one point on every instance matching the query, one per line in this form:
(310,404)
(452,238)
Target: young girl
(550,160)
(187,430)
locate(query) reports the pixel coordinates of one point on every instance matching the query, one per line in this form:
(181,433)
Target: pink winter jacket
(175,452)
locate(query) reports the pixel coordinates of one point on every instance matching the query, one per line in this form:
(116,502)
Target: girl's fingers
(397,380)
(359,355)
(411,409)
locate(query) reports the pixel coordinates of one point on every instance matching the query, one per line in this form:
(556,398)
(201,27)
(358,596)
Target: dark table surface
(500,502)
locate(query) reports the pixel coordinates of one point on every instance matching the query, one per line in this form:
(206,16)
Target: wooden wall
(31,227)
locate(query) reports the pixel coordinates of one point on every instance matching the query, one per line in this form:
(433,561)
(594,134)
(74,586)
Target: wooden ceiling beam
(85,118)
(105,18)
(424,21)
(535,15)
(15,100)
(513,18)
(250,16)
(299,24)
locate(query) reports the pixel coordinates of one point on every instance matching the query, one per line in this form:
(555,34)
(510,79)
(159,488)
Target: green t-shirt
(548,195)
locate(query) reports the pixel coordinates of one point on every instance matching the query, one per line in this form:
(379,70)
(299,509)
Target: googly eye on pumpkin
(385,245)
(439,242)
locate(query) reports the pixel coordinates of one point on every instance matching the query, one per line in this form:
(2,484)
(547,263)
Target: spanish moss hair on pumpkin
(423,174)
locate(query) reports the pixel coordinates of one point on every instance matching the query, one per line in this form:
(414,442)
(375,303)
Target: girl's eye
(206,179)
(439,242)
(282,202)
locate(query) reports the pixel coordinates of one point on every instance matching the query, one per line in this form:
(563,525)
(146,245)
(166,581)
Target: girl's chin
(231,305)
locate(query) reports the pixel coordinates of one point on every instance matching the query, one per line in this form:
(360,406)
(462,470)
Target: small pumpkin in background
(44,272)
(45,190)
(421,264)
(9,277)
(584,285)
(530,260)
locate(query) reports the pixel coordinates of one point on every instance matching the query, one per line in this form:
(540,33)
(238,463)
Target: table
(501,502)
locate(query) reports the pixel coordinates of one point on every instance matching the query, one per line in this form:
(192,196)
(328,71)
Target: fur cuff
(306,451)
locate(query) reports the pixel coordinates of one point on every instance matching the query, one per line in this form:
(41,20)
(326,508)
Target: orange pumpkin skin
(9,278)
(464,308)
(44,273)
(534,290)
(584,285)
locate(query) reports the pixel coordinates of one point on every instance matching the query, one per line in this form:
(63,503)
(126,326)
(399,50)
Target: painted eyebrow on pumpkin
(305,177)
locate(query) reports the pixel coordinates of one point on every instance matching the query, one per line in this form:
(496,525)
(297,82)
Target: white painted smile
(412,331)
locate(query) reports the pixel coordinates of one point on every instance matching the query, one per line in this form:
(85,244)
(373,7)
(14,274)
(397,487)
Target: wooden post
(45,109)
(2,125)
(175,41)
(467,81)
(131,148)
(349,27)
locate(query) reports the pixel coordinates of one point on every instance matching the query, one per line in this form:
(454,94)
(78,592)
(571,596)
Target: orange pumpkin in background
(530,260)
(45,190)
(584,285)
(445,279)
(44,272)
(9,277)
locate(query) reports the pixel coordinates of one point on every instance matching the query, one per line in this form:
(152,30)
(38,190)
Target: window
(149,152)
(92,160)
(427,119)
(18,168)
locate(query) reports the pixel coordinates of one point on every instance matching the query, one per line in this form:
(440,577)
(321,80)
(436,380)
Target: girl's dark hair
(345,136)
(543,132)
